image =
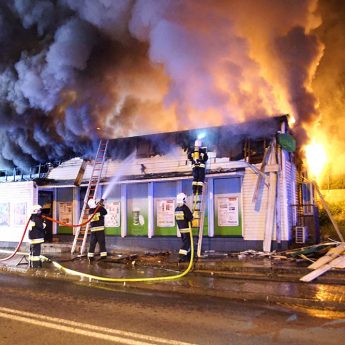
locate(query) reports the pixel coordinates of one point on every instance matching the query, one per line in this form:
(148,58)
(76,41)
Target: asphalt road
(42,311)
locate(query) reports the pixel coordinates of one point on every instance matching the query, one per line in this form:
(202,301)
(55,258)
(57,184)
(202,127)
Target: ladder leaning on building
(81,232)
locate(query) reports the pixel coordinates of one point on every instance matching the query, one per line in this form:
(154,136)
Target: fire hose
(100,278)
(73,225)
(124,280)
(48,218)
(19,244)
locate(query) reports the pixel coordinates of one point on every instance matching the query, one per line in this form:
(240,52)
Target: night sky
(68,67)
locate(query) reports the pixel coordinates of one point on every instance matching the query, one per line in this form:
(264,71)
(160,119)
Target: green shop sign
(287,142)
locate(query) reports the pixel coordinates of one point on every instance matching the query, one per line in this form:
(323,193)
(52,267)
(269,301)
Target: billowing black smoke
(72,71)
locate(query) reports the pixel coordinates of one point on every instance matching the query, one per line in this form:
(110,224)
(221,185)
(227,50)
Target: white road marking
(85,329)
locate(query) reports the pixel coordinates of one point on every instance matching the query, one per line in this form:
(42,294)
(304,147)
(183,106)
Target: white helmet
(36,209)
(181,198)
(92,203)
(197,143)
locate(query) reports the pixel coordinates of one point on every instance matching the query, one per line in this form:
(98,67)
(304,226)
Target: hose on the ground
(52,220)
(107,279)
(123,280)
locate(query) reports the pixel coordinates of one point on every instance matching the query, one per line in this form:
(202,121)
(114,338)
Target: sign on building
(166,213)
(16,201)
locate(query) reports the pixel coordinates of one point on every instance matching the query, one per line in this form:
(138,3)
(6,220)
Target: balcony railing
(29,174)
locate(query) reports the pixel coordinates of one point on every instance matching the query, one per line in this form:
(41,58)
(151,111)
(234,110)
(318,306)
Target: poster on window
(5,214)
(112,219)
(65,212)
(166,213)
(228,211)
(20,213)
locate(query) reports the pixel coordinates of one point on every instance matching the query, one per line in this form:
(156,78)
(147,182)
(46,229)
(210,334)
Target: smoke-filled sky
(131,67)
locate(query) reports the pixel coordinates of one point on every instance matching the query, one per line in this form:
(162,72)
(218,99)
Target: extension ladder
(199,209)
(82,231)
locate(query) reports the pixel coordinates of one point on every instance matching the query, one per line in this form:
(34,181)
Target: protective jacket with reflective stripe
(183,216)
(97,222)
(36,229)
(198,156)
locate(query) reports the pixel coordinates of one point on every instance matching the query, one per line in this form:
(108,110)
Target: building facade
(249,193)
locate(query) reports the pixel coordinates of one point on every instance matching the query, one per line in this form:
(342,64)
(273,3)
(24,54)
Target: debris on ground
(313,250)
(259,254)
(214,254)
(334,258)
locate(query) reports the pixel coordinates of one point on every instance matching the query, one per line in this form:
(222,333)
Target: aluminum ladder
(82,231)
(199,208)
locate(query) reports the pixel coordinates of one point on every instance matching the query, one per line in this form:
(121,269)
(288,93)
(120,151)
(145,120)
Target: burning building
(250,196)
(72,71)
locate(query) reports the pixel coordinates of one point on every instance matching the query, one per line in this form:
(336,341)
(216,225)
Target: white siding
(254,219)
(16,199)
(177,163)
(67,170)
(288,197)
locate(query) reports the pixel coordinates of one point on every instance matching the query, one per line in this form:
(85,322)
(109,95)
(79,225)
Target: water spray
(120,171)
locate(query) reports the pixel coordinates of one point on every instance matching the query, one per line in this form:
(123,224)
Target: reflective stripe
(184,230)
(179,215)
(194,183)
(104,253)
(97,228)
(35,258)
(198,165)
(37,240)
(183,252)
(31,225)
(200,183)
(90,255)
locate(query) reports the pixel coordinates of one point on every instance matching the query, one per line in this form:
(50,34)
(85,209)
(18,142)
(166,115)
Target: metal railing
(27,174)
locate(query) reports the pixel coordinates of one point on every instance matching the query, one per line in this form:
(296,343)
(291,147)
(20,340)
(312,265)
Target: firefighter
(36,236)
(97,229)
(183,216)
(198,156)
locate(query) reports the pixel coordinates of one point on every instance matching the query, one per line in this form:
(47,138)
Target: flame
(316,159)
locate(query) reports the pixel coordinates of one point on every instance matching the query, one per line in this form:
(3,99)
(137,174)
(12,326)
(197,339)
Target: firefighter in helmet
(97,229)
(36,236)
(198,156)
(183,216)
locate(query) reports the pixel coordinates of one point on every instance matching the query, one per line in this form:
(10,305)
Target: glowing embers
(316,159)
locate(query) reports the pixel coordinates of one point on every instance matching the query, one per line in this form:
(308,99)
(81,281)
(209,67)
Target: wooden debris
(338,262)
(315,249)
(328,257)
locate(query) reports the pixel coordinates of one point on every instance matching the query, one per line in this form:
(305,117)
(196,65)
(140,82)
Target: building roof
(163,156)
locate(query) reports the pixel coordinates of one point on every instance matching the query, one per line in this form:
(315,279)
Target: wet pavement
(255,279)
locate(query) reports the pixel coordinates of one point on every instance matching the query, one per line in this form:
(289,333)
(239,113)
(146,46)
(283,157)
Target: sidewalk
(260,280)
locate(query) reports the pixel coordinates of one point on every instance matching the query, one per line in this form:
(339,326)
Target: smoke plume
(72,71)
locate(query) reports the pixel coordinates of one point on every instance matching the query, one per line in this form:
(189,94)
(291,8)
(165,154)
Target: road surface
(42,311)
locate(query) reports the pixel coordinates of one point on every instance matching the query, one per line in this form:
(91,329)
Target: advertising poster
(137,208)
(65,212)
(166,213)
(228,211)
(5,214)
(112,219)
(20,213)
